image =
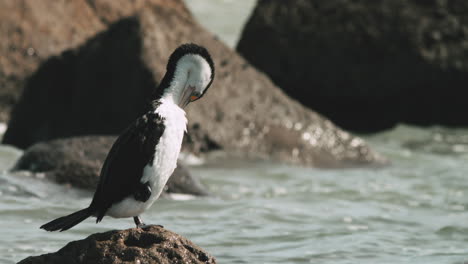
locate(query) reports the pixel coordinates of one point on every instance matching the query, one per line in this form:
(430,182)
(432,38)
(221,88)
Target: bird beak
(186,97)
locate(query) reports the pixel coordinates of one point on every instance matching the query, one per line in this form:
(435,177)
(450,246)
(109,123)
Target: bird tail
(66,222)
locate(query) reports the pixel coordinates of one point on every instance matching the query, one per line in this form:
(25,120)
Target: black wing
(123,167)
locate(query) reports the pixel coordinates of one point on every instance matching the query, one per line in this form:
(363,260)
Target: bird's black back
(123,167)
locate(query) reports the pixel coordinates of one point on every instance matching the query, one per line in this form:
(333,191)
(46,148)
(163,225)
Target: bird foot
(143,226)
(139,223)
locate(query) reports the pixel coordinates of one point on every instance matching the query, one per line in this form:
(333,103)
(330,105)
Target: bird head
(190,72)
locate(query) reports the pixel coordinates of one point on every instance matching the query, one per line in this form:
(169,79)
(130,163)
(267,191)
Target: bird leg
(139,223)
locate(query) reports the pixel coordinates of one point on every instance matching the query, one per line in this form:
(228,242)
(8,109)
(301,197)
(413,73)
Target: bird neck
(174,87)
(172,94)
(168,95)
(171,112)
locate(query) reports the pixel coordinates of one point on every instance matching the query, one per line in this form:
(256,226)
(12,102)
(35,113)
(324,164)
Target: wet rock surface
(75,93)
(366,64)
(152,244)
(77,161)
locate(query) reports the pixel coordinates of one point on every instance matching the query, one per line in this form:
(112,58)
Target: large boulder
(366,64)
(102,85)
(150,245)
(78,161)
(32,32)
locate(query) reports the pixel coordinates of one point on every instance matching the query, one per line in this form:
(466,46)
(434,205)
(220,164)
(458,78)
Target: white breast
(165,161)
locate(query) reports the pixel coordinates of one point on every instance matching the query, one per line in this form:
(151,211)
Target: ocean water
(413,211)
(225,18)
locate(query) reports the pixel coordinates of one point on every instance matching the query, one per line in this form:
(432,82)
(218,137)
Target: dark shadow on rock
(367,65)
(152,244)
(99,88)
(77,161)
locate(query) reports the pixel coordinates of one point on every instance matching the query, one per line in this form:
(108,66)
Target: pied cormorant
(145,155)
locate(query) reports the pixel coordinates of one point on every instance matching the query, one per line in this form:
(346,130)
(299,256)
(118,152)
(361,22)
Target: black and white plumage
(145,155)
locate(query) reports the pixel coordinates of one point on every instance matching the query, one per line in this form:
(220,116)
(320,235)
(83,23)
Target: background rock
(77,161)
(151,245)
(366,64)
(101,86)
(34,31)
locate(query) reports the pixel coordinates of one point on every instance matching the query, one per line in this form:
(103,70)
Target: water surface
(414,211)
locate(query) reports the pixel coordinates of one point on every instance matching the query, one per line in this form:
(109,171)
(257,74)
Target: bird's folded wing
(123,167)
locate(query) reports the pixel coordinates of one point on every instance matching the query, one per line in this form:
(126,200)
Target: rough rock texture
(366,64)
(34,31)
(77,161)
(151,245)
(101,86)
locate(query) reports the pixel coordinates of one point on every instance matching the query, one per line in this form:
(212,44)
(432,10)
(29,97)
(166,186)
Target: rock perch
(152,244)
